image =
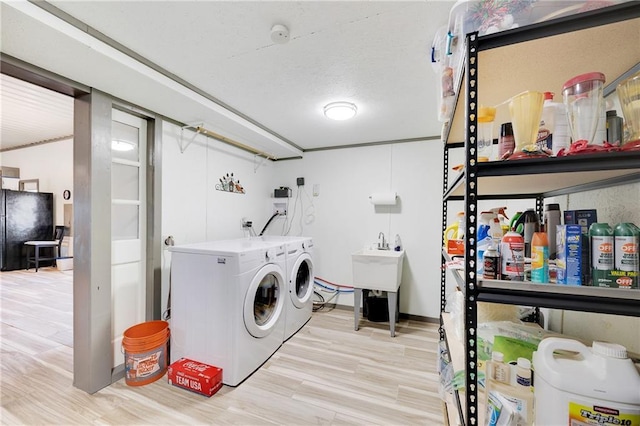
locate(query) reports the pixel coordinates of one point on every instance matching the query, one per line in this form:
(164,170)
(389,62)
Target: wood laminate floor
(327,374)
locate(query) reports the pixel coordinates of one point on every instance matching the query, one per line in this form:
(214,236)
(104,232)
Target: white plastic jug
(597,385)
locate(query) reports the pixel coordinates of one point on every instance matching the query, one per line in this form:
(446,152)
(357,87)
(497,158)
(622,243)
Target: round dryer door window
(302,288)
(263,302)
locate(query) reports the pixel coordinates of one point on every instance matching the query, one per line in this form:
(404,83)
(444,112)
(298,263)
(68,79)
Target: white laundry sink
(377,269)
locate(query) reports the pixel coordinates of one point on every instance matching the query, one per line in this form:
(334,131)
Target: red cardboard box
(195,376)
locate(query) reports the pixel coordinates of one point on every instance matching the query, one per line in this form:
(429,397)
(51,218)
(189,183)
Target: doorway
(107,265)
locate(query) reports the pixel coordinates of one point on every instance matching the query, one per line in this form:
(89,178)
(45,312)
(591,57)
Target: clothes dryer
(299,304)
(299,277)
(228,304)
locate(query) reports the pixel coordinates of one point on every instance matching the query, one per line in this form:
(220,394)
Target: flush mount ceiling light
(340,110)
(120,145)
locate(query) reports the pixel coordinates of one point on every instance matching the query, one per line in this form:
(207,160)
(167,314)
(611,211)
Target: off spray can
(539,258)
(625,248)
(491,264)
(512,254)
(601,244)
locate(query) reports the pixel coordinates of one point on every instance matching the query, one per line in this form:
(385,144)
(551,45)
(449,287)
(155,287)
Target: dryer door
(264,301)
(301,285)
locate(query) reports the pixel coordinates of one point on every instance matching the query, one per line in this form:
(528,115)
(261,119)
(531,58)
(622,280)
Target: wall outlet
(300,181)
(280,208)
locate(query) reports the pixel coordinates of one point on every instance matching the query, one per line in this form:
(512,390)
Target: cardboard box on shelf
(584,218)
(616,279)
(569,254)
(455,247)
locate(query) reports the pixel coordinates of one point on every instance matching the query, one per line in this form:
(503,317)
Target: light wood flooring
(327,374)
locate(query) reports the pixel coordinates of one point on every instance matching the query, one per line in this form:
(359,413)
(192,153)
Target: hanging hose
(268,223)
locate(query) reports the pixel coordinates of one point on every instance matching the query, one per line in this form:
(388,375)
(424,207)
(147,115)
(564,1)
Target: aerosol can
(512,254)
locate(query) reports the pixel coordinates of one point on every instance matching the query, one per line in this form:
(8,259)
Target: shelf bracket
(257,165)
(181,143)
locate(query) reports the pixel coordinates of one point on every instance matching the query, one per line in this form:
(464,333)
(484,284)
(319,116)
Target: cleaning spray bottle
(484,237)
(484,223)
(502,216)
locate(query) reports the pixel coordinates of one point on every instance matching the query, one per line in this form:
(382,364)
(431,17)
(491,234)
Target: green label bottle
(601,245)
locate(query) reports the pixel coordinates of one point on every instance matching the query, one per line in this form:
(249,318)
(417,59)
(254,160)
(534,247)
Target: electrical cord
(295,208)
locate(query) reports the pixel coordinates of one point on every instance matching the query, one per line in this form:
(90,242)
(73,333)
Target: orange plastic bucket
(145,352)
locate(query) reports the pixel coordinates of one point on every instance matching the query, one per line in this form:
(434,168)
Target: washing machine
(299,277)
(228,304)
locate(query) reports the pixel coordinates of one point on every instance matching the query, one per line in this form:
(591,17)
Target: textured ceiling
(374,54)
(214,63)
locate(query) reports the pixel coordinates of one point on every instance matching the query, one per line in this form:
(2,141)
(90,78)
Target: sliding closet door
(128,226)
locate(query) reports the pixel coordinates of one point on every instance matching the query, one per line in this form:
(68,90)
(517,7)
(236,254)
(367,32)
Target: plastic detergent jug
(455,231)
(598,385)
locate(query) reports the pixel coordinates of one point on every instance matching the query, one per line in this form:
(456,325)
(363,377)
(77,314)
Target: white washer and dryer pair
(228,301)
(299,276)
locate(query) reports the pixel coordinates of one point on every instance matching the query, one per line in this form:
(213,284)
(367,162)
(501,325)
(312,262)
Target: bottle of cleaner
(455,231)
(502,217)
(512,256)
(545,131)
(491,263)
(599,385)
(486,232)
(397,246)
(483,224)
(539,258)
(495,231)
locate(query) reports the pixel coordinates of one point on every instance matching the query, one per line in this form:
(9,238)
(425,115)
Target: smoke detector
(279,34)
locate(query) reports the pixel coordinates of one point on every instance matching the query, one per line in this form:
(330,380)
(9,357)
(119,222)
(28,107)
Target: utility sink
(377,269)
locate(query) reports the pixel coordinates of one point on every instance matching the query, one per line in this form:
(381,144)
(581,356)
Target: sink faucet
(382,245)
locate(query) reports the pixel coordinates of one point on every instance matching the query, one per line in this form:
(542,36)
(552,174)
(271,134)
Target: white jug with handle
(577,384)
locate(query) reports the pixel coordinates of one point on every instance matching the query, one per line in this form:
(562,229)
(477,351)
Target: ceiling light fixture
(340,110)
(120,145)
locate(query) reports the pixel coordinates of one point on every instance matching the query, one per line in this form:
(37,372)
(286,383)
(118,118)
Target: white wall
(192,209)
(344,220)
(52,164)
